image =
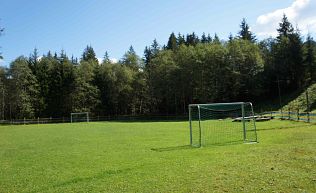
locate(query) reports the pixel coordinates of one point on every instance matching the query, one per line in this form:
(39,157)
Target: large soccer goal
(222,123)
(79,117)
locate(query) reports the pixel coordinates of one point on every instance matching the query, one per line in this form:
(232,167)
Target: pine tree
(309,59)
(33,60)
(154,48)
(204,39)
(285,27)
(288,58)
(147,56)
(192,39)
(230,38)
(49,54)
(89,54)
(172,42)
(216,39)
(245,32)
(181,40)
(209,38)
(106,58)
(63,55)
(131,59)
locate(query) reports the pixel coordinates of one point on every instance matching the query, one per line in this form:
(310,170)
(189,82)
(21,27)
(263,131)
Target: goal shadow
(173,148)
(227,143)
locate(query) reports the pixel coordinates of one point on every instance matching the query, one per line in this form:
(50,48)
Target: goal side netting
(79,117)
(222,123)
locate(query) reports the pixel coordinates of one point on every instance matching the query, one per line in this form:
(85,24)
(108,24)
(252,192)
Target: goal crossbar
(86,114)
(216,123)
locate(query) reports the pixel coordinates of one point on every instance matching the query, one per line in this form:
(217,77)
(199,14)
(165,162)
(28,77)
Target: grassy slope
(300,101)
(152,157)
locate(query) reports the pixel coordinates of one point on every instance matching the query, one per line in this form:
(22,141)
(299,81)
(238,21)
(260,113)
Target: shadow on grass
(75,180)
(141,121)
(187,147)
(174,148)
(98,176)
(236,142)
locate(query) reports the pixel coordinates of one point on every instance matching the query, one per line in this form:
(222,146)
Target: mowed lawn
(154,157)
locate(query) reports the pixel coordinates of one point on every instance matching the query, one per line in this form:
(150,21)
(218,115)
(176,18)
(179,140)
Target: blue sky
(113,26)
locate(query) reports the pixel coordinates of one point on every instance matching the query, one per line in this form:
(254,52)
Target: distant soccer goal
(222,123)
(79,117)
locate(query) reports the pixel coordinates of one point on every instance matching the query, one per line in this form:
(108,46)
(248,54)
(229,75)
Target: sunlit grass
(154,157)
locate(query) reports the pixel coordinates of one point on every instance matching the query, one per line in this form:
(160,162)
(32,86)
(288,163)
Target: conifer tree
(131,59)
(209,38)
(181,40)
(285,28)
(245,32)
(310,59)
(172,42)
(154,48)
(147,56)
(89,54)
(216,39)
(106,58)
(204,38)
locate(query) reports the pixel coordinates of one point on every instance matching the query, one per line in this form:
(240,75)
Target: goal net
(222,123)
(79,117)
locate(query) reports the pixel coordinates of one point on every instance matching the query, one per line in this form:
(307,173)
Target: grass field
(154,157)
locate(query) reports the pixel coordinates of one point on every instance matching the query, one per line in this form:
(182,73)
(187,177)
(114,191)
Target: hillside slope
(300,102)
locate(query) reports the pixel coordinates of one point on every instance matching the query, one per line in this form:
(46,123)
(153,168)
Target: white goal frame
(80,113)
(243,119)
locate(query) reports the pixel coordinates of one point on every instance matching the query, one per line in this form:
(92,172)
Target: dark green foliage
(172,42)
(154,48)
(61,86)
(3,93)
(216,39)
(85,95)
(245,32)
(285,28)
(24,89)
(181,40)
(106,58)
(147,55)
(310,59)
(89,54)
(204,38)
(192,39)
(131,60)
(288,56)
(189,69)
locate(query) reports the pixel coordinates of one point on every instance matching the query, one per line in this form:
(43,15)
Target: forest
(165,80)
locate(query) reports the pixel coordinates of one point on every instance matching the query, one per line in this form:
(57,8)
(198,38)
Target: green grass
(154,157)
(300,102)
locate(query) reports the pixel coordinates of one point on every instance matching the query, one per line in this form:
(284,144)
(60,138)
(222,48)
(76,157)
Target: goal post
(222,123)
(79,117)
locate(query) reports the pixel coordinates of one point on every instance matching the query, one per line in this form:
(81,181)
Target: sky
(115,25)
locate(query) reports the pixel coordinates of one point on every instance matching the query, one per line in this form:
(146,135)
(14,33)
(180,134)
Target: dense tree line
(188,69)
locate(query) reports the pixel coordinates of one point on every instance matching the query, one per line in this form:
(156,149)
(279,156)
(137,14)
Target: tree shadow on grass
(173,148)
(75,180)
(101,175)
